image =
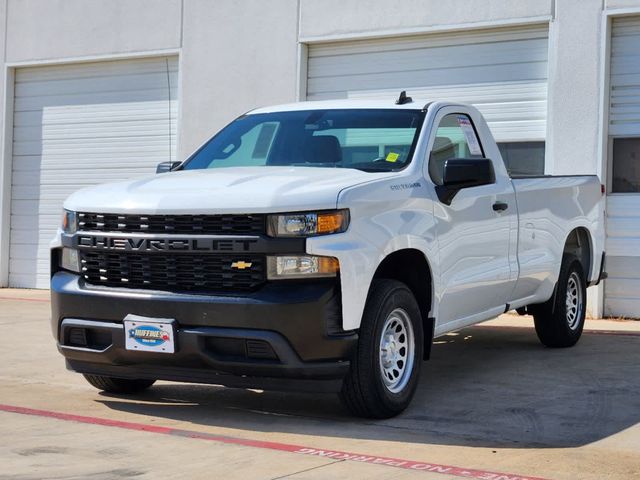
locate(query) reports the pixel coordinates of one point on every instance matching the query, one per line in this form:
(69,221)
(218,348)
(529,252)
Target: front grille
(174,272)
(186,224)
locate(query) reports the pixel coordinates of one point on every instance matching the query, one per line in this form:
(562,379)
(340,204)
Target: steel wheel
(386,364)
(559,321)
(397,346)
(574,301)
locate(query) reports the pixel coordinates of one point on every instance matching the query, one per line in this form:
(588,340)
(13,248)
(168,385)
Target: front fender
(384,219)
(359,259)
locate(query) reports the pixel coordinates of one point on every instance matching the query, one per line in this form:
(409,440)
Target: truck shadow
(484,387)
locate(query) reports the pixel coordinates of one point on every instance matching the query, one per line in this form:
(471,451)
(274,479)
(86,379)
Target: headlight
(69,221)
(308,224)
(301,266)
(70,260)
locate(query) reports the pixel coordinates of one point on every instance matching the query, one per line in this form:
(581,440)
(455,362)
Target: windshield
(373,140)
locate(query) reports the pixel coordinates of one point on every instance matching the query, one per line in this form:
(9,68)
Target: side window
(251,149)
(455,138)
(626,165)
(523,159)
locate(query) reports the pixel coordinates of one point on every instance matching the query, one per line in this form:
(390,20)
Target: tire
(118,385)
(382,379)
(560,320)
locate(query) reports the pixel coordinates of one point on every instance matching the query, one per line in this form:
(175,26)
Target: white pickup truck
(319,246)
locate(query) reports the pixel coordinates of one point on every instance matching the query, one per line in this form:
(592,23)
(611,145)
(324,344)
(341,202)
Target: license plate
(148,334)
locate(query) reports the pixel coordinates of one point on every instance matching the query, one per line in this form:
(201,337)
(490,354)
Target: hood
(224,190)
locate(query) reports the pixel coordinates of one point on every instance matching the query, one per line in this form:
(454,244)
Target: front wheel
(118,385)
(559,321)
(386,366)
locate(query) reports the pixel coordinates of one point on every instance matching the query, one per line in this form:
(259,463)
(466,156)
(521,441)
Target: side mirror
(164,167)
(462,173)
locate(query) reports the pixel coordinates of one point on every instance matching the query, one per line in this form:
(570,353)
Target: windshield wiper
(373,169)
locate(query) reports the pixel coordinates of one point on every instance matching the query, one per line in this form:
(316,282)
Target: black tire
(557,324)
(118,385)
(364,391)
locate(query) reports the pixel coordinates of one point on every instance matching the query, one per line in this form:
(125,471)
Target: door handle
(500,206)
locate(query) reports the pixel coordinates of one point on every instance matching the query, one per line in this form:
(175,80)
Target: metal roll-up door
(503,72)
(622,288)
(79,125)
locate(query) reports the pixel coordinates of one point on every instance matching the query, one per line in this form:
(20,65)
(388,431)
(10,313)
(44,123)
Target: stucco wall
(236,55)
(622,4)
(56,29)
(5,155)
(373,17)
(574,87)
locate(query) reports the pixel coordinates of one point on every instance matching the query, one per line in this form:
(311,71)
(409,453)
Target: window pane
(626,165)
(455,138)
(372,140)
(368,144)
(523,159)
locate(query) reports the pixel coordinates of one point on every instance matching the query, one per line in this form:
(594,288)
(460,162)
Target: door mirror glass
(462,173)
(164,167)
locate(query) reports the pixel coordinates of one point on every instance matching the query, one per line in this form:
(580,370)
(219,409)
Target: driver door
(473,231)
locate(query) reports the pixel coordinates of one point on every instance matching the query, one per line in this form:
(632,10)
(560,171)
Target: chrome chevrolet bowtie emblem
(241,265)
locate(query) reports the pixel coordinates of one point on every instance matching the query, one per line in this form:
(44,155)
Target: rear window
(523,159)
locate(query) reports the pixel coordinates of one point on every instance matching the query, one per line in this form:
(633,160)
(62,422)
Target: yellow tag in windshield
(392,157)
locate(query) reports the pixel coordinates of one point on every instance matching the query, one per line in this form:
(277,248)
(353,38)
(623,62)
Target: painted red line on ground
(281,447)
(621,333)
(23,299)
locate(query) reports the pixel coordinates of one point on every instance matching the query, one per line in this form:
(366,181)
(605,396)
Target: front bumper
(285,336)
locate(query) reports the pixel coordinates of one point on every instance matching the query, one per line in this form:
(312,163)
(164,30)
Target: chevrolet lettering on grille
(97,242)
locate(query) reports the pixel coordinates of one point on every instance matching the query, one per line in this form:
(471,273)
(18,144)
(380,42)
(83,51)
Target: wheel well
(579,244)
(410,267)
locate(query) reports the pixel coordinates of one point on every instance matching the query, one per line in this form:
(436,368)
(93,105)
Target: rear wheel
(385,368)
(118,385)
(559,321)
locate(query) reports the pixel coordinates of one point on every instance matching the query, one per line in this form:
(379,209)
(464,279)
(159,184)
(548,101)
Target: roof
(416,104)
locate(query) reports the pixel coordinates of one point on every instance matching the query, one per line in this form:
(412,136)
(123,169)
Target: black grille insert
(78,337)
(174,272)
(186,224)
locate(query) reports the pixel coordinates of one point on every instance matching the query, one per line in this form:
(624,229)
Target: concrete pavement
(492,399)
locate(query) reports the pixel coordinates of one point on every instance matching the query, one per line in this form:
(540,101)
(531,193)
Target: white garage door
(503,72)
(622,289)
(80,125)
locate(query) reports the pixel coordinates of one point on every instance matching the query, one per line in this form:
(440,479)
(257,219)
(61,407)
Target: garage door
(503,72)
(80,125)
(622,289)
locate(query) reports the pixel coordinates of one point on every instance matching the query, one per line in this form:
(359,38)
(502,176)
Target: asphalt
(492,404)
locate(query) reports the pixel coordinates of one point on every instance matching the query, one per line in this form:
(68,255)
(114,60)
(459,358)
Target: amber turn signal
(331,222)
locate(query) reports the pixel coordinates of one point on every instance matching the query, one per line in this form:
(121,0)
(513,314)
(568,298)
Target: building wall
(574,87)
(371,18)
(59,29)
(6,99)
(238,54)
(612,4)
